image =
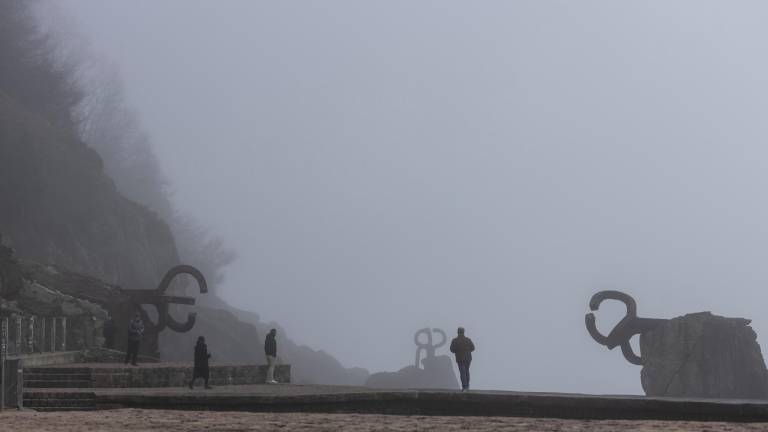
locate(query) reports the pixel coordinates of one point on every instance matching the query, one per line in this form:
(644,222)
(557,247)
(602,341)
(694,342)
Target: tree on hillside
(29,71)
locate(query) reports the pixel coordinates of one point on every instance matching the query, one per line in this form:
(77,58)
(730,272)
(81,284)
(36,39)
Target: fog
(380,167)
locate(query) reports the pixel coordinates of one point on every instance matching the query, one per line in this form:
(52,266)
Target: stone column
(31,335)
(3,352)
(53,334)
(17,341)
(42,334)
(63,333)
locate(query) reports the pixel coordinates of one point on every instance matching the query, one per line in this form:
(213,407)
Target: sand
(177,421)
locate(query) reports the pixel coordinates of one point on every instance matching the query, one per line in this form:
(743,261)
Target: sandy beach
(185,421)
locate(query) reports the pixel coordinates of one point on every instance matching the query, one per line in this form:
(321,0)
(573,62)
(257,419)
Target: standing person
(270,349)
(462,347)
(108,331)
(201,363)
(135,332)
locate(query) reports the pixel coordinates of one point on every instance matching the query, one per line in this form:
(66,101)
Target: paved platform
(340,399)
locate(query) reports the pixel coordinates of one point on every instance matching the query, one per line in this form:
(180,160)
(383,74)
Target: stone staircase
(58,389)
(58,400)
(82,386)
(52,377)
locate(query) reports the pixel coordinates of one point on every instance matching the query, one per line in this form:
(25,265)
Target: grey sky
(381,166)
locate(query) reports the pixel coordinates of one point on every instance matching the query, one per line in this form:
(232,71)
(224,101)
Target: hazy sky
(382,166)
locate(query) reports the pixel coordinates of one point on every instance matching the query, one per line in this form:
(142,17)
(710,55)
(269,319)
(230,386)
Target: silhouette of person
(270,350)
(135,333)
(462,347)
(201,363)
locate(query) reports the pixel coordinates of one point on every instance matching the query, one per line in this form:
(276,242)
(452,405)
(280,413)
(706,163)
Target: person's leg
(270,369)
(463,374)
(192,383)
(135,353)
(467,373)
(206,382)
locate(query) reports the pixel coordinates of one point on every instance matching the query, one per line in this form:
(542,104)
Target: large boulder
(703,355)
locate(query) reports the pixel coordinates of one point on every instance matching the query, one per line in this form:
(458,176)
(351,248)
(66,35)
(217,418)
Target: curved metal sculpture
(629,326)
(429,347)
(161,302)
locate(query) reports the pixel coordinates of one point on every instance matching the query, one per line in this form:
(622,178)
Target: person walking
(201,363)
(462,347)
(270,350)
(135,332)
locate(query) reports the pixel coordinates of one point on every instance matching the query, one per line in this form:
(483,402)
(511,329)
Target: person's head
(460,331)
(273,332)
(137,316)
(200,340)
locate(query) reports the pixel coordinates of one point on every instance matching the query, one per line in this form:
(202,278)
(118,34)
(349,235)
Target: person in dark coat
(201,363)
(462,347)
(135,333)
(108,331)
(270,350)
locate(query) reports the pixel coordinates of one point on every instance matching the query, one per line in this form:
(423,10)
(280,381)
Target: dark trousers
(133,352)
(464,373)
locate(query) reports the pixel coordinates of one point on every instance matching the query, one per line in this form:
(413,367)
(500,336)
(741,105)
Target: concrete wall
(48,359)
(179,375)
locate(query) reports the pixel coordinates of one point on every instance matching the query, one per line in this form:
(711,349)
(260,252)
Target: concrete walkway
(341,399)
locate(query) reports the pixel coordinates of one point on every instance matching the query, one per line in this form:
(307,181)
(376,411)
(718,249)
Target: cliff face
(66,219)
(58,206)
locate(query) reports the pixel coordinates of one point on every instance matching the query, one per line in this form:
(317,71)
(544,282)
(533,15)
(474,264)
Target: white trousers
(271,360)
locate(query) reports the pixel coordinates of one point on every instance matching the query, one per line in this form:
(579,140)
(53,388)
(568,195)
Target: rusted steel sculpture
(629,326)
(161,302)
(429,347)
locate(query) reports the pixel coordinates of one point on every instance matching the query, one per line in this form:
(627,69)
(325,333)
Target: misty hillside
(80,188)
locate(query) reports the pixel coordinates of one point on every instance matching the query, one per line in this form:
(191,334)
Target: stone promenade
(356,400)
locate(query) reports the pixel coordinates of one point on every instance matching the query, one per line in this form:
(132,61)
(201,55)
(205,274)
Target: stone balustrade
(32,334)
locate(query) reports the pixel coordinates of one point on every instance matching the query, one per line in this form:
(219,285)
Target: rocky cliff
(81,243)
(58,206)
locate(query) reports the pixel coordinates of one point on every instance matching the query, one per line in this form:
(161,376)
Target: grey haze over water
(385,166)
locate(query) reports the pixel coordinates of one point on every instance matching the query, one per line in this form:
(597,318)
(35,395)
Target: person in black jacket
(270,350)
(201,363)
(462,347)
(135,333)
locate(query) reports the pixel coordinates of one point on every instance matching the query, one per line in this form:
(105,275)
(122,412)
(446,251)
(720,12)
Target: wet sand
(135,420)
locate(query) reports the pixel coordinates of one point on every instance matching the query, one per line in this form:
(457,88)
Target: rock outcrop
(234,335)
(437,374)
(703,355)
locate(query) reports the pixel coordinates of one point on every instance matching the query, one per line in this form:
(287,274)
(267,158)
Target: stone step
(59,403)
(58,394)
(58,370)
(55,377)
(59,400)
(58,384)
(52,409)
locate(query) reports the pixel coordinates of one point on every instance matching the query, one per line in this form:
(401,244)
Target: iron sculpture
(629,326)
(429,347)
(161,302)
